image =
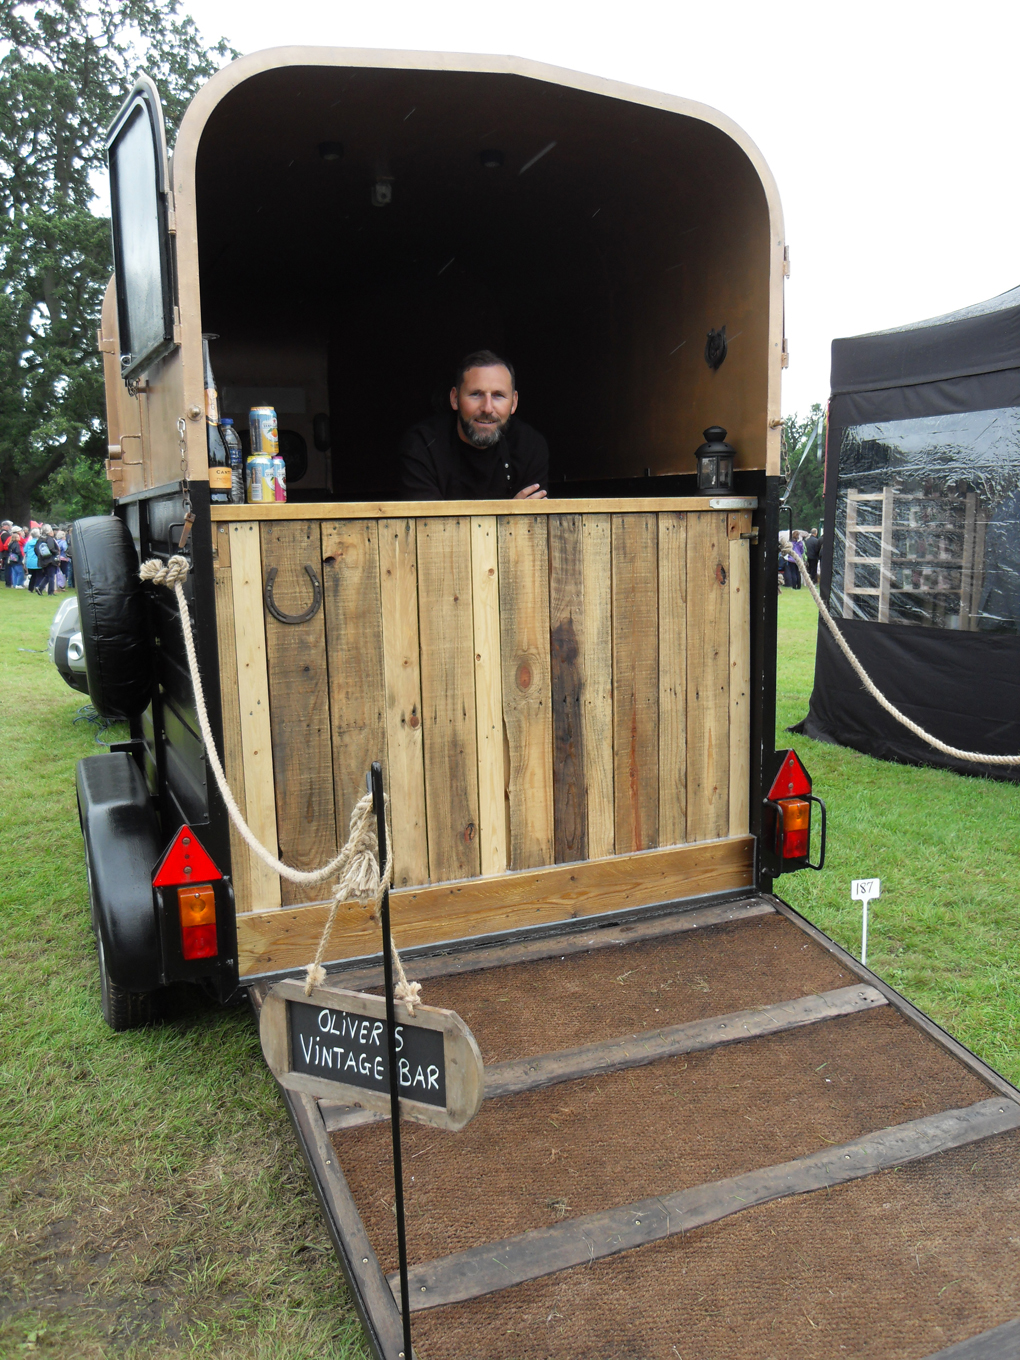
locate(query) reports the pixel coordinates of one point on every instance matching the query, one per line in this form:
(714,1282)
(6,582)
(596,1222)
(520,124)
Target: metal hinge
(178,336)
(171,215)
(105,345)
(786,262)
(785,362)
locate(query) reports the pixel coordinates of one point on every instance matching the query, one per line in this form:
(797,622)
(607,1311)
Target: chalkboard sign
(333,1043)
(347,1047)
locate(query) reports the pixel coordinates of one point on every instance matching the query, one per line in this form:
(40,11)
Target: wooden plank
(371,1292)
(918,1018)
(546,1251)
(740,678)
(253,706)
(567,668)
(427,509)
(1001,1343)
(448,697)
(708,738)
(638,1050)
(609,936)
(527,695)
(354,658)
(398,587)
(492,793)
(270,942)
(299,704)
(233,764)
(597,694)
(673,679)
(635,682)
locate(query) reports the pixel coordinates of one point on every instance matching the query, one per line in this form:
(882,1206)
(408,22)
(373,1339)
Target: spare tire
(112,612)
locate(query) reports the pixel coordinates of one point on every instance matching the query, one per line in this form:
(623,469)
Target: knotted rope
(877,694)
(356,867)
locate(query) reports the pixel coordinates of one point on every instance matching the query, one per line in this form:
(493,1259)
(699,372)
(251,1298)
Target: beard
(485,435)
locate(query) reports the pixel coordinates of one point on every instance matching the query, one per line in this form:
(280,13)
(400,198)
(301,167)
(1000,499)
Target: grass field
(154,1201)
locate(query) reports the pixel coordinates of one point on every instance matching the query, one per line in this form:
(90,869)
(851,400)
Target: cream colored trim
(273,58)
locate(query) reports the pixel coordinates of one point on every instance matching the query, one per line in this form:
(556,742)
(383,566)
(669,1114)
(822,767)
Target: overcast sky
(891,128)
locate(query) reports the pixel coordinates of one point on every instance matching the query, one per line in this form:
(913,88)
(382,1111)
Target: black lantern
(715,463)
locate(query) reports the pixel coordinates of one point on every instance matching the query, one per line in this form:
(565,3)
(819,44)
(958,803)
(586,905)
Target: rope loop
(174,573)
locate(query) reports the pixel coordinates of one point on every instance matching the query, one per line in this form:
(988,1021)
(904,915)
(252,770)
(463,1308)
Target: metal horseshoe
(278,613)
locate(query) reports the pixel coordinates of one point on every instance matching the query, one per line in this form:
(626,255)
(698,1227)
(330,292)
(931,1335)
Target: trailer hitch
(309,613)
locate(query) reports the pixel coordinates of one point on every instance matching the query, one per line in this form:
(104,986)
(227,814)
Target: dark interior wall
(598,269)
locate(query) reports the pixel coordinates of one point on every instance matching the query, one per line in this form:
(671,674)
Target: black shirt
(437,465)
(813,548)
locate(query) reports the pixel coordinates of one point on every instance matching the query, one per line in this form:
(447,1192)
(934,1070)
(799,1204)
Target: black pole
(379,804)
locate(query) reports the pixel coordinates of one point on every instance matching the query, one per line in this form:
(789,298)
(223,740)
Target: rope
(880,698)
(356,866)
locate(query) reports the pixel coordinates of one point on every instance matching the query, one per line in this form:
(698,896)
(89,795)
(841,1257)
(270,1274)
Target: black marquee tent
(921,556)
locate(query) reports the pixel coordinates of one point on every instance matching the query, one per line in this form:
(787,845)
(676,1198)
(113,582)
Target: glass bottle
(219,461)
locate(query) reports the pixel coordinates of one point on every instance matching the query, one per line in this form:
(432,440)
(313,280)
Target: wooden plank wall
(541,689)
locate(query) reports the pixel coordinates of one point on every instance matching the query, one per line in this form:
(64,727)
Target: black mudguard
(123,844)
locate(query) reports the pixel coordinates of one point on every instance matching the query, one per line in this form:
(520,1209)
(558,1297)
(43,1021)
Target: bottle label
(219,479)
(212,406)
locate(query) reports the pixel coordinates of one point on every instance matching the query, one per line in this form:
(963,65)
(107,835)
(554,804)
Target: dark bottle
(235,456)
(219,460)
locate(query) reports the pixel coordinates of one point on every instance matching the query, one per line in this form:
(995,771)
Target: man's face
(484,403)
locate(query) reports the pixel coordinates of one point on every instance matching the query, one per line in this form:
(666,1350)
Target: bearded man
(480,451)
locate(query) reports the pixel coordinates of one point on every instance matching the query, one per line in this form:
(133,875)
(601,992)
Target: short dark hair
(484,358)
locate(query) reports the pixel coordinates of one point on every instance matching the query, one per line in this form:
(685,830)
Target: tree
(802,465)
(67,67)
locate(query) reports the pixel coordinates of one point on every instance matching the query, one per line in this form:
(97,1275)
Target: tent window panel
(927,525)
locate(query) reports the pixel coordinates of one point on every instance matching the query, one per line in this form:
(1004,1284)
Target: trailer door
(142,259)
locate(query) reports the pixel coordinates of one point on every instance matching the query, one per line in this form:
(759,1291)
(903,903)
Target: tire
(112,612)
(121,1010)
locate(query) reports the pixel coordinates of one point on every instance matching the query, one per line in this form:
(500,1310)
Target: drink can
(280,476)
(263,430)
(261,484)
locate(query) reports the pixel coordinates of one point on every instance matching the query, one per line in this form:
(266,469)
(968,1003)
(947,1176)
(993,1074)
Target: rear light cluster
(187,867)
(786,831)
(197,907)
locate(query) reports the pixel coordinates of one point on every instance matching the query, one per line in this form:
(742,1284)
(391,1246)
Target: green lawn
(154,1199)
(946,931)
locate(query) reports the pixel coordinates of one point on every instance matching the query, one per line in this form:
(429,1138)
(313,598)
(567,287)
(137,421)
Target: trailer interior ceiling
(596,249)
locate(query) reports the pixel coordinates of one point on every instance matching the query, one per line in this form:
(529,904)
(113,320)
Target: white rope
(357,864)
(880,698)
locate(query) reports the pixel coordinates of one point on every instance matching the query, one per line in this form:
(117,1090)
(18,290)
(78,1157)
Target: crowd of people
(37,558)
(799,543)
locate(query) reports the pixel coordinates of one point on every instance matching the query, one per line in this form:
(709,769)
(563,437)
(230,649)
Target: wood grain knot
(414,720)
(720,573)
(470,831)
(524,676)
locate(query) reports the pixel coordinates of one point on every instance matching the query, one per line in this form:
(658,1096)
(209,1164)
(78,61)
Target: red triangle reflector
(792,781)
(185,862)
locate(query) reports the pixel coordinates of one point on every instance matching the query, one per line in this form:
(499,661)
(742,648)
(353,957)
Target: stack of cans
(266,472)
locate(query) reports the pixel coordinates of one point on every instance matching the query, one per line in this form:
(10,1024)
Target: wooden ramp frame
(495,1266)
(544,687)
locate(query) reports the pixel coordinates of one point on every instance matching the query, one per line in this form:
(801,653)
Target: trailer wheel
(121,1010)
(111,605)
